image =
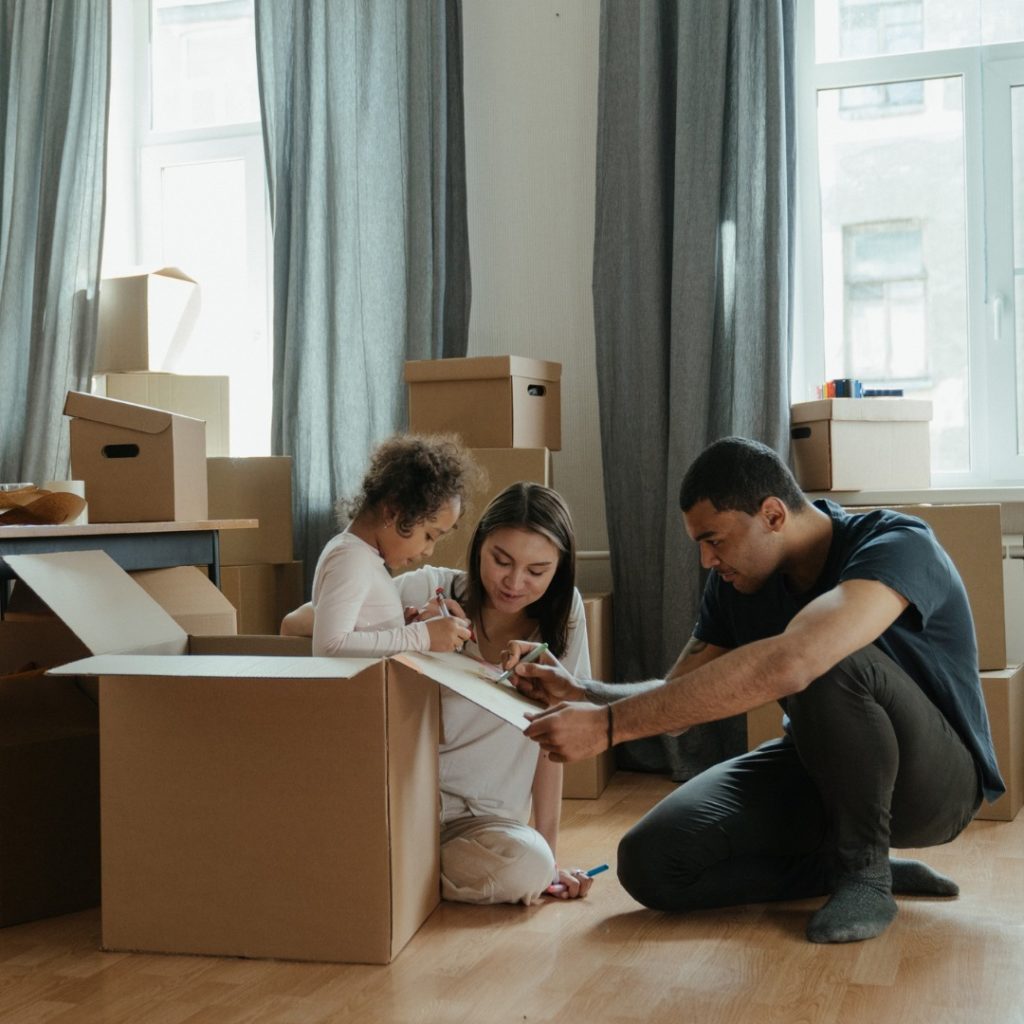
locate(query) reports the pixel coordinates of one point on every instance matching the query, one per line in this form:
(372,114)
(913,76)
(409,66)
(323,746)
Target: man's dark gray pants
(870,763)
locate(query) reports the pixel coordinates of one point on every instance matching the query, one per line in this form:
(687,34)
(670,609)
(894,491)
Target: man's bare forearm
(606,693)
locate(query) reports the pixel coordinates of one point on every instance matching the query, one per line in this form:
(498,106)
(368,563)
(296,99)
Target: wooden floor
(603,959)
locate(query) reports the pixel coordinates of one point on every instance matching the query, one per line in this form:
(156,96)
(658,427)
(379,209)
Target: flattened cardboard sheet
(473,681)
(102,605)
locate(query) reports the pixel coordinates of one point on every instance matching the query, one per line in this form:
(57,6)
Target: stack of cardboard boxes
(258,573)
(145,319)
(876,444)
(507,410)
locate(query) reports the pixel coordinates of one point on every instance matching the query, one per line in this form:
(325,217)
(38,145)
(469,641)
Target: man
(859,625)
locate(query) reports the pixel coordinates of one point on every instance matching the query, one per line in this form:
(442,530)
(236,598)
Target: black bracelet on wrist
(611,727)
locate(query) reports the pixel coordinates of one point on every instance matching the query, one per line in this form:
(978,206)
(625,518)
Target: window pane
(204,231)
(893,255)
(846,29)
(204,64)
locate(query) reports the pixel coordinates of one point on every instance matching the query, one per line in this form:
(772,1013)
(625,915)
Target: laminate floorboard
(603,960)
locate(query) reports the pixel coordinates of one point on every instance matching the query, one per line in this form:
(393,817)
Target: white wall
(531,127)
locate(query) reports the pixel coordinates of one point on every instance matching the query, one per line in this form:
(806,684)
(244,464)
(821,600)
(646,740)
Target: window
(884,305)
(187,185)
(911,130)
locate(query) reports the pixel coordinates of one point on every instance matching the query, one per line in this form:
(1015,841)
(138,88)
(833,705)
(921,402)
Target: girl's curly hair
(412,475)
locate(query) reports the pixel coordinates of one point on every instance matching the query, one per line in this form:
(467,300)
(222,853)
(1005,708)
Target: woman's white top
(358,608)
(486,764)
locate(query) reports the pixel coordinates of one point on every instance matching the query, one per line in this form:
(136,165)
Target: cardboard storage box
(253,488)
(49,777)
(138,464)
(145,319)
(202,398)
(501,466)
(972,537)
(854,444)
(257,806)
(262,594)
(490,401)
(588,779)
(1004,699)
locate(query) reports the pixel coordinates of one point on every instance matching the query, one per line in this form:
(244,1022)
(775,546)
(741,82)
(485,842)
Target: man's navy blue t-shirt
(932,640)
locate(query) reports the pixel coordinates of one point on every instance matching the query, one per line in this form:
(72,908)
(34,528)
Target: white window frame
(988,199)
(140,154)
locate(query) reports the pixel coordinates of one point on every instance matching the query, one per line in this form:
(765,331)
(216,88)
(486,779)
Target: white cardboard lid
(468,679)
(898,409)
(216,666)
(99,602)
(481,368)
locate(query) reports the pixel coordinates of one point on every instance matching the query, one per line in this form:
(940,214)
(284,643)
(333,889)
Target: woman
(519,586)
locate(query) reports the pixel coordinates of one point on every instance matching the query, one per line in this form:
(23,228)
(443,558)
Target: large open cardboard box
(257,806)
(490,401)
(860,444)
(139,464)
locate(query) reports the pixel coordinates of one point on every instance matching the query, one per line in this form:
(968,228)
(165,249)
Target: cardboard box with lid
(257,806)
(490,401)
(853,444)
(139,464)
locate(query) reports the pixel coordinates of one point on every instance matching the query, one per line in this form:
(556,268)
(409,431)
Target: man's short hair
(736,473)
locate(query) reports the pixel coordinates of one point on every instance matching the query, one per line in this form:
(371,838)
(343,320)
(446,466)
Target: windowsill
(926,496)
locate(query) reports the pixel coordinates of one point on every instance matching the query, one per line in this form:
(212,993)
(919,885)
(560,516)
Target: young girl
(519,585)
(411,496)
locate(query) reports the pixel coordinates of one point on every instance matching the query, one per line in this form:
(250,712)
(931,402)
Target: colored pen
(439,594)
(525,660)
(556,887)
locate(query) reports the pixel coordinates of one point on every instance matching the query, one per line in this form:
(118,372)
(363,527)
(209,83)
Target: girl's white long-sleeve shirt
(487,766)
(358,608)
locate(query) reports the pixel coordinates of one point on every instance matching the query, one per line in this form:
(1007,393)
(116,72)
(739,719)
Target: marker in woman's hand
(442,607)
(533,655)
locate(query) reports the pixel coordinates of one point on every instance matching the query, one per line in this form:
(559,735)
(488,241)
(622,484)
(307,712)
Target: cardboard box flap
(473,681)
(480,368)
(889,409)
(101,604)
(216,666)
(116,413)
(174,272)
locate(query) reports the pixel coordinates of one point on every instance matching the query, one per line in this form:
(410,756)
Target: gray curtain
(363,128)
(692,297)
(54,82)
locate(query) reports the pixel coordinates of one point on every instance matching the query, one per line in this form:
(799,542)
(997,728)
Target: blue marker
(557,887)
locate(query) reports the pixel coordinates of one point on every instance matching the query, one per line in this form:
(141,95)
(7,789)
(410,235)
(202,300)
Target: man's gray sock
(913,878)
(860,907)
